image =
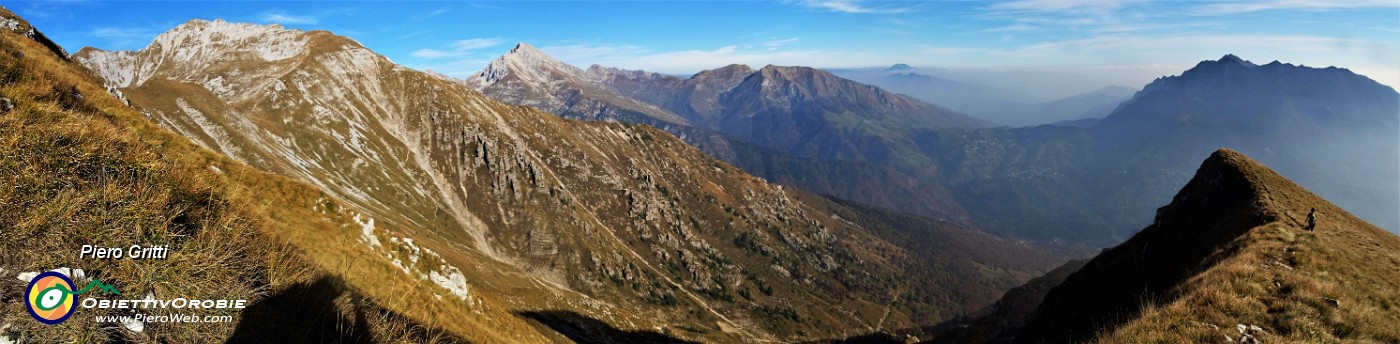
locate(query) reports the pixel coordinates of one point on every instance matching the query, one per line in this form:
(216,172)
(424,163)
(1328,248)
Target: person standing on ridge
(1312,219)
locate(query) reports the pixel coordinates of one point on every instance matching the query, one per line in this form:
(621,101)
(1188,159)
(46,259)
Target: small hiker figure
(1312,219)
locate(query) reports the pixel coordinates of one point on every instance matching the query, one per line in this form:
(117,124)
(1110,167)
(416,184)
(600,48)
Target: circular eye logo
(50,297)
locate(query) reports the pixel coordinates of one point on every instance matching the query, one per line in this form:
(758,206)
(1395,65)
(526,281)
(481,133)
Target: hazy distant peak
(1286,75)
(899,67)
(780,70)
(737,67)
(1234,59)
(599,74)
(787,72)
(1229,60)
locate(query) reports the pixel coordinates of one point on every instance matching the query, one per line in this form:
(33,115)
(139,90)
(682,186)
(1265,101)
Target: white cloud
(125,37)
(573,52)
(1270,5)
(476,43)
(1065,6)
(434,13)
(852,6)
(285,19)
(691,61)
(430,53)
(1142,44)
(459,48)
(121,32)
(1039,15)
(945,50)
(778,42)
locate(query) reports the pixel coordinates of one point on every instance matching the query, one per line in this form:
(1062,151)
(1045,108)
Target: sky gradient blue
(1119,42)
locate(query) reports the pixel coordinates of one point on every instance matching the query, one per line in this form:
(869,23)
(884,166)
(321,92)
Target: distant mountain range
(351,199)
(1082,180)
(1309,123)
(994,105)
(797,126)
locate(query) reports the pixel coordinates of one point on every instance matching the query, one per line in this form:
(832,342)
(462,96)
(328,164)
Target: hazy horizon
(1092,43)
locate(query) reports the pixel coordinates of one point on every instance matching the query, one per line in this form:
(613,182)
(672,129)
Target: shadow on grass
(585,330)
(302,313)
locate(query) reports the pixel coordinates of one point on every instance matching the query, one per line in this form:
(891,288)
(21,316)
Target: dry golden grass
(1339,283)
(78,166)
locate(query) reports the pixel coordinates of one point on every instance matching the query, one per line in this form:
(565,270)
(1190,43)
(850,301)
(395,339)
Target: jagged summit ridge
(195,43)
(198,40)
(528,76)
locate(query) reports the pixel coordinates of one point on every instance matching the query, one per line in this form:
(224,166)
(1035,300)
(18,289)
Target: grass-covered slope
(78,166)
(1233,256)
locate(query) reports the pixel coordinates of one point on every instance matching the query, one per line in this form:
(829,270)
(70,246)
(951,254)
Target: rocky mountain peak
(525,52)
(525,48)
(525,62)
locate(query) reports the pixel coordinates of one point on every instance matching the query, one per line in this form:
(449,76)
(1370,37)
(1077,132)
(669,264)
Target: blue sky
(1113,41)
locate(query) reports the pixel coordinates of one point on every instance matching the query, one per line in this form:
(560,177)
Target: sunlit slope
(77,166)
(1233,255)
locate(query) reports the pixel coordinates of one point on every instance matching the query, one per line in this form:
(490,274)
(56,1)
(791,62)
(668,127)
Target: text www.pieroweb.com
(172,318)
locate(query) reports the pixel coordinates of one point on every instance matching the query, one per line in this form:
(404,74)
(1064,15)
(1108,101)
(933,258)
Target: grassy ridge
(78,166)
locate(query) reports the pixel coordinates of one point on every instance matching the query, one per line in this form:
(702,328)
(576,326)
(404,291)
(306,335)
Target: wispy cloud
(125,37)
(775,43)
(459,48)
(425,15)
(584,52)
(1063,6)
(1308,5)
(1197,42)
(945,50)
(286,19)
(693,60)
(853,6)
